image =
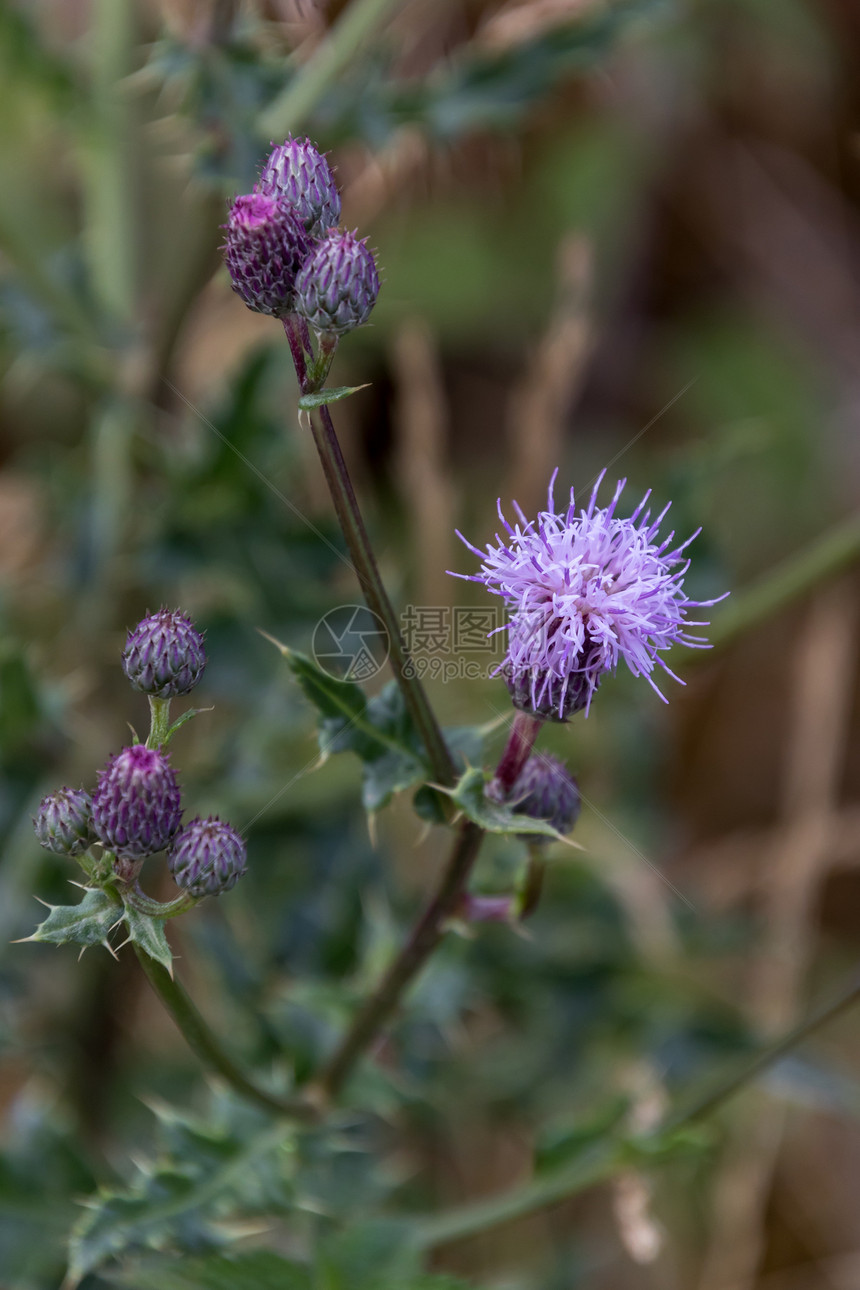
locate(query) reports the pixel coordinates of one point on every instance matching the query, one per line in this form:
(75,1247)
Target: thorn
(285,649)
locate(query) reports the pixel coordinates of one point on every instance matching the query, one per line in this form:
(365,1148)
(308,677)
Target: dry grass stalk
(421,419)
(800,848)
(540,403)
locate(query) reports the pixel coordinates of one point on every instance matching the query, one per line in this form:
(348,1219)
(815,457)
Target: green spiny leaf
(87,923)
(378,730)
(469,795)
(149,934)
(308,402)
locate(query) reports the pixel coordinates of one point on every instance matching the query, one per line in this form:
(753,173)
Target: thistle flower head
(296,171)
(137,805)
(64,822)
(583,590)
(207,857)
(265,245)
(337,286)
(546,790)
(164,655)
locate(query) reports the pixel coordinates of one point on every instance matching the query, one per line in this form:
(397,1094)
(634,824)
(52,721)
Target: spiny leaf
(149,934)
(308,402)
(184,1199)
(85,924)
(378,730)
(469,795)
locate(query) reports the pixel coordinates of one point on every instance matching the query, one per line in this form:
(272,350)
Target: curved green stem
(204,1044)
(826,556)
(157,909)
(609,1157)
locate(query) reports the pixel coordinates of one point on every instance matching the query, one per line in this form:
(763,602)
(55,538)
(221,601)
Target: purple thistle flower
(137,805)
(546,790)
(296,171)
(207,857)
(64,822)
(164,655)
(265,246)
(337,286)
(583,591)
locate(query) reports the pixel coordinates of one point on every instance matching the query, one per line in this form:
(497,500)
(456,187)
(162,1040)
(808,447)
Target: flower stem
(159,722)
(367,572)
(425,936)
(203,1043)
(158,909)
(524,731)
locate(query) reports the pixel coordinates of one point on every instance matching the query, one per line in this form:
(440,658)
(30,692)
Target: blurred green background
(617,233)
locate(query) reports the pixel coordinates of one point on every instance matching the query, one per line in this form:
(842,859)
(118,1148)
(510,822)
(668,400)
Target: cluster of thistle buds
(135,810)
(286,255)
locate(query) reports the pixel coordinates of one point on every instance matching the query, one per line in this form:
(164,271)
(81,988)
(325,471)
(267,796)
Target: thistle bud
(298,173)
(164,655)
(545,696)
(64,822)
(207,857)
(337,286)
(137,805)
(266,243)
(546,790)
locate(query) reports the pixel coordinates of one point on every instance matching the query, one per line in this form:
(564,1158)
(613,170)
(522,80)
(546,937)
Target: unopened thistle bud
(164,655)
(265,246)
(546,790)
(64,822)
(337,286)
(207,857)
(297,172)
(137,805)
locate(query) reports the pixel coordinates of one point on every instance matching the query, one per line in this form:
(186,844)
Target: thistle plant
(583,589)
(135,812)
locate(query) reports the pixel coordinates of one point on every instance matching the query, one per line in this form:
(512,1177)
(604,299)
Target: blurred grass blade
(292,108)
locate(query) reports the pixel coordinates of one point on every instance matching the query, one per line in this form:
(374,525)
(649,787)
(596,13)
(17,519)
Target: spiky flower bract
(207,857)
(298,172)
(64,822)
(265,246)
(137,805)
(164,655)
(337,286)
(583,590)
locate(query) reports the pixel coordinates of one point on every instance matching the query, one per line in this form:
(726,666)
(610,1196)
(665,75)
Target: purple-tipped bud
(207,857)
(337,286)
(64,822)
(545,696)
(164,655)
(297,172)
(265,246)
(546,790)
(137,805)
